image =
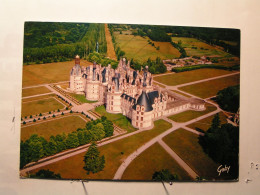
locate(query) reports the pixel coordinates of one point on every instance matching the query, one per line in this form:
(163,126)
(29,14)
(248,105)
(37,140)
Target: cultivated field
(190,76)
(40,106)
(53,127)
(48,73)
(153,159)
(205,123)
(139,49)
(34,91)
(186,145)
(115,153)
(195,47)
(191,114)
(211,88)
(119,119)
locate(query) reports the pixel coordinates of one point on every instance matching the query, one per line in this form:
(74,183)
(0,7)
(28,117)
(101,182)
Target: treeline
(180,48)
(221,143)
(37,147)
(195,67)
(156,66)
(101,59)
(43,34)
(93,40)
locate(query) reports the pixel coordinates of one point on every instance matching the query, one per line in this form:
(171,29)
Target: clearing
(40,106)
(53,127)
(190,76)
(211,88)
(153,159)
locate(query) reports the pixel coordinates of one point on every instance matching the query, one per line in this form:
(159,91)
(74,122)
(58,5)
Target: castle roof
(76,70)
(125,96)
(143,100)
(152,95)
(104,75)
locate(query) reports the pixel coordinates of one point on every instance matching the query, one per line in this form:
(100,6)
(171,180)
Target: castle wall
(113,102)
(92,90)
(142,120)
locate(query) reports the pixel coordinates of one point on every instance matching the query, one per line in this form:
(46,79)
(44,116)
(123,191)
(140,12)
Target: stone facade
(129,92)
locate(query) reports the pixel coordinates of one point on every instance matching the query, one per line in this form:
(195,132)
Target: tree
(164,175)
(93,161)
(72,140)
(97,132)
(228,98)
(46,174)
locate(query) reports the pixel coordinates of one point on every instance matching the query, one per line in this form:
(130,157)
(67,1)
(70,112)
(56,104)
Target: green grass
(119,119)
(202,48)
(204,124)
(48,73)
(53,127)
(186,145)
(191,114)
(137,47)
(34,91)
(190,76)
(82,98)
(153,159)
(211,88)
(72,168)
(38,98)
(40,106)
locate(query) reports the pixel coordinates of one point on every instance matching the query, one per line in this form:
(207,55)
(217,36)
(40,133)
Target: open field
(110,47)
(153,159)
(48,73)
(38,98)
(190,76)
(138,48)
(186,145)
(81,98)
(175,91)
(212,87)
(34,91)
(40,106)
(191,114)
(205,123)
(167,49)
(115,153)
(195,47)
(162,86)
(119,119)
(46,129)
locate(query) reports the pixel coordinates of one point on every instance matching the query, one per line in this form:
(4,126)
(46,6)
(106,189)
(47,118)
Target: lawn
(115,153)
(204,124)
(48,73)
(190,76)
(46,129)
(34,91)
(119,119)
(191,114)
(138,48)
(195,47)
(64,86)
(186,145)
(81,98)
(40,106)
(153,159)
(211,88)
(38,98)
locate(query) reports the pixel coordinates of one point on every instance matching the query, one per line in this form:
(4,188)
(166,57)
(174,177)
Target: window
(137,118)
(136,123)
(142,113)
(137,112)
(111,102)
(141,124)
(112,97)
(142,118)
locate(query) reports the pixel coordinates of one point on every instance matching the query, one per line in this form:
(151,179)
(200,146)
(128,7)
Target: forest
(37,147)
(46,42)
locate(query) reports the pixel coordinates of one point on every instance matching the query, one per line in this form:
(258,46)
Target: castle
(129,92)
